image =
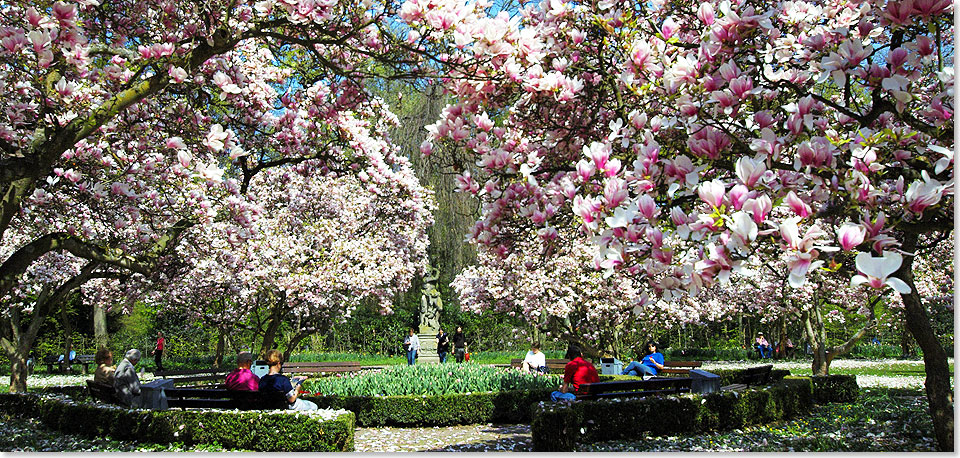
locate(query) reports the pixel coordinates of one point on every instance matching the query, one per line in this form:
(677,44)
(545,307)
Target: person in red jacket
(575,373)
(158,351)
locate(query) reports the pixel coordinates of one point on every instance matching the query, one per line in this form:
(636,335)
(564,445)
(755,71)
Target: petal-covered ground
(465,438)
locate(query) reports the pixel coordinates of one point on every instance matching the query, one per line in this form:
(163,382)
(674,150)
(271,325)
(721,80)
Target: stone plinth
(428,349)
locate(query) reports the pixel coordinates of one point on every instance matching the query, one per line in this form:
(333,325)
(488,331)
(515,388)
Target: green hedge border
(558,427)
(443,410)
(268,431)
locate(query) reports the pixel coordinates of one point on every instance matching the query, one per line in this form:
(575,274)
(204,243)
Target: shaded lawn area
(883,419)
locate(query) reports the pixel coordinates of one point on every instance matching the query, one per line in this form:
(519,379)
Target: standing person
(158,351)
(459,344)
(411,345)
(242,379)
(577,372)
(125,379)
(274,381)
(649,364)
(762,346)
(535,360)
(443,345)
(105,367)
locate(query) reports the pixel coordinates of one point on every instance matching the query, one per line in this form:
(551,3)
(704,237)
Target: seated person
(126,381)
(535,360)
(274,381)
(649,365)
(578,371)
(762,346)
(105,367)
(242,379)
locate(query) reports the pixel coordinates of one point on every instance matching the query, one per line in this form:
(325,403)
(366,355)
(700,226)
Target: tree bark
(939,392)
(221,344)
(67,334)
(100,337)
(273,324)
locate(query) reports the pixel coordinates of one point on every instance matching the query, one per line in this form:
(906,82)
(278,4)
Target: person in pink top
(242,379)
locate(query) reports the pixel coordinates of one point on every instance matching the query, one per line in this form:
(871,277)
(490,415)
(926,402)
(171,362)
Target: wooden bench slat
(692,364)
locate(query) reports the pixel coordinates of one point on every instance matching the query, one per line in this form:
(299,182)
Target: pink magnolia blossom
(877,270)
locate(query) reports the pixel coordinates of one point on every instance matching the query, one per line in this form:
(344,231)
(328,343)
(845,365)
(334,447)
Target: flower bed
(281,430)
(441,410)
(430,379)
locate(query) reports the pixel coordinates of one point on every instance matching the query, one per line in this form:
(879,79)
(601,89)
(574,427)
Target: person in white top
(535,361)
(411,345)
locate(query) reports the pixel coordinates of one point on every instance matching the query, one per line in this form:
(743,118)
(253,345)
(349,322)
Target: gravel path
(466,438)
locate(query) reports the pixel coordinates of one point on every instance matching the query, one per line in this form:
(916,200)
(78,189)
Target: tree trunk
(100,337)
(273,325)
(67,334)
(221,343)
(905,345)
(817,336)
(18,371)
(939,393)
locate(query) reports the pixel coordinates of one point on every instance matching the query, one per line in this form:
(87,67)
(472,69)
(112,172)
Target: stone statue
(430,302)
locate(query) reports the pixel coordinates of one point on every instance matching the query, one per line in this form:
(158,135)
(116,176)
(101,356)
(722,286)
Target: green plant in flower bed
(430,379)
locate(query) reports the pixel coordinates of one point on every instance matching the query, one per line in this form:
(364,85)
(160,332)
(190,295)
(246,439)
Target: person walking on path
(411,345)
(649,365)
(158,351)
(443,346)
(459,344)
(577,372)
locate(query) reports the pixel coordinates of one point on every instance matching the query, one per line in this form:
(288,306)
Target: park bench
(84,360)
(102,392)
(552,364)
(188,378)
(752,376)
(630,388)
(680,367)
(212,398)
(320,367)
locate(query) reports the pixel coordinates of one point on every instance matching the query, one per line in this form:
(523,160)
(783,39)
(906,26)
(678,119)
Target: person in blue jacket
(649,365)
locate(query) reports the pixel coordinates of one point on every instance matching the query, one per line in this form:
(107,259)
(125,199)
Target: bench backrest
(755,375)
(317,367)
(551,363)
(224,399)
(85,359)
(679,367)
(209,371)
(101,392)
(617,388)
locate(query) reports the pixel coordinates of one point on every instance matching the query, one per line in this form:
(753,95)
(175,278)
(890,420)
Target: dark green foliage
(256,430)
(708,354)
(836,388)
(449,409)
(559,426)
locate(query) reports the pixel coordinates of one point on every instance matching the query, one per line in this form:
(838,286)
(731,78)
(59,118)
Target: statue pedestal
(428,349)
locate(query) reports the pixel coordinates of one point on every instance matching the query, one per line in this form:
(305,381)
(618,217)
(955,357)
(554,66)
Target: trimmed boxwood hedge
(449,409)
(560,426)
(280,431)
(836,388)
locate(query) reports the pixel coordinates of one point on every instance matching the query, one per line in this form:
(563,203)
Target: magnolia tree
(320,246)
(130,122)
(671,131)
